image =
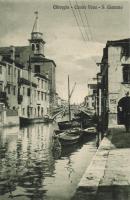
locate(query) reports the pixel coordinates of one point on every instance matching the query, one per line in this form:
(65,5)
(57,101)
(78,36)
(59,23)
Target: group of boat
(72,130)
(73,134)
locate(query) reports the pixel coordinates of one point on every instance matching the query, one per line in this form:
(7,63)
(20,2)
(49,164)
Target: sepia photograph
(64,100)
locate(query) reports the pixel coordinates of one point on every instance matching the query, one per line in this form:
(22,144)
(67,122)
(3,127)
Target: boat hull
(68,124)
(26,121)
(69,142)
(70,137)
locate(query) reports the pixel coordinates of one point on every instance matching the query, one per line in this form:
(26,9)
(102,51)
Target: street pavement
(108,176)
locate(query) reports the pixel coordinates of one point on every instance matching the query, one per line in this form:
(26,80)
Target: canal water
(32,169)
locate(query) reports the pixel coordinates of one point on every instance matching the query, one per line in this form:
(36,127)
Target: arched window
(37,46)
(33,47)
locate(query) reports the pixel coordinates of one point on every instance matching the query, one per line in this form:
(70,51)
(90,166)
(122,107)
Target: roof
(124,43)
(41,76)
(18,49)
(10,61)
(6,51)
(41,58)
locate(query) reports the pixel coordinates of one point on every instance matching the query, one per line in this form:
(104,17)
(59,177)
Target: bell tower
(36,41)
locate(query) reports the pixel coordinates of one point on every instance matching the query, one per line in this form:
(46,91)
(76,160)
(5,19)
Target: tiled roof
(18,49)
(124,43)
(5,51)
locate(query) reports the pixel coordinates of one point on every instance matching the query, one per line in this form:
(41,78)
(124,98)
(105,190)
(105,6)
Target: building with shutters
(35,66)
(113,80)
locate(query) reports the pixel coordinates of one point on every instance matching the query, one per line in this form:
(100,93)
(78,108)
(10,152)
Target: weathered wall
(6,119)
(116,88)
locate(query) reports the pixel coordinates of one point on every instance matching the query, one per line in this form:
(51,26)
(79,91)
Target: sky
(74,46)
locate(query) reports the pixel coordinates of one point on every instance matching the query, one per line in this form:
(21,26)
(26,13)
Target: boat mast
(69,98)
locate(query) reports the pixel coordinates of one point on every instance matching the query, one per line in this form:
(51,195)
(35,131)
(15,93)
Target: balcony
(23,81)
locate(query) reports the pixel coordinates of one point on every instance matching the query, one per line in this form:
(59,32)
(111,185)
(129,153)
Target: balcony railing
(26,82)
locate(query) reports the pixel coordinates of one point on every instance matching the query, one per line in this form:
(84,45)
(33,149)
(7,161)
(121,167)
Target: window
(23,90)
(14,90)
(126,73)
(35,93)
(9,89)
(42,96)
(37,69)
(15,72)
(23,111)
(17,56)
(0,69)
(33,47)
(42,84)
(1,87)
(38,94)
(94,91)
(37,46)
(93,104)
(28,92)
(45,96)
(42,111)
(9,70)
(93,98)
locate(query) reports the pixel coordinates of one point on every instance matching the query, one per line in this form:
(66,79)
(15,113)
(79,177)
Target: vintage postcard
(64,99)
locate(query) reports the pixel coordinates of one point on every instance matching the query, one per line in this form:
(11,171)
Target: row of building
(27,79)
(111,83)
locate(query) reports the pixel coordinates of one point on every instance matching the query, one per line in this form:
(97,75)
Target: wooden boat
(70,136)
(90,130)
(68,124)
(57,131)
(26,120)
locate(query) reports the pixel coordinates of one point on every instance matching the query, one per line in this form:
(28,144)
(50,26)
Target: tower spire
(35,26)
(36,41)
(36,34)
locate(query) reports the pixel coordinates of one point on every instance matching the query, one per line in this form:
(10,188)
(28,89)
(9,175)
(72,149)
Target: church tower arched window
(33,47)
(37,47)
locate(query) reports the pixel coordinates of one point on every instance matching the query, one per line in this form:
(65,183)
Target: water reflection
(33,165)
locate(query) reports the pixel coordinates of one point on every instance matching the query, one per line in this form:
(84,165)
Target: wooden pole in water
(69,98)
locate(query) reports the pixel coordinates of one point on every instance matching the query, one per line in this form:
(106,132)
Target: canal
(31,169)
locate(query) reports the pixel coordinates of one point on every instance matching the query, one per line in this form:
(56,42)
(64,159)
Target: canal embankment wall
(9,118)
(109,169)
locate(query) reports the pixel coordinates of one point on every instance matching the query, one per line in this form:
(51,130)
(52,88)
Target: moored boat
(70,136)
(26,121)
(90,130)
(68,124)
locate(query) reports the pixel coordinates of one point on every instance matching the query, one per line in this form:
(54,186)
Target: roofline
(41,76)
(11,61)
(117,42)
(49,60)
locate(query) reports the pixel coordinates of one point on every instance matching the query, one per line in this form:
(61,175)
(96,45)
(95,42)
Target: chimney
(12,53)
